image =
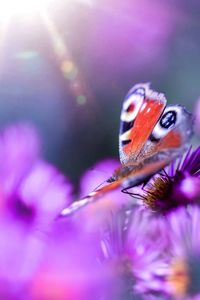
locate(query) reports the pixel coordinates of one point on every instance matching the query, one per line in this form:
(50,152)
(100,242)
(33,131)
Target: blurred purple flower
(70,268)
(132,249)
(19,150)
(177,186)
(183,279)
(32,193)
(29,186)
(45,191)
(20,252)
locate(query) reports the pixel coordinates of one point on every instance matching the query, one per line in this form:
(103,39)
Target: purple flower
(45,191)
(178,185)
(20,252)
(183,277)
(132,249)
(29,186)
(70,268)
(32,193)
(19,150)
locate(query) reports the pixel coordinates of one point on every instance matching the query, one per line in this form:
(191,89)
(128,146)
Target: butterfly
(151,135)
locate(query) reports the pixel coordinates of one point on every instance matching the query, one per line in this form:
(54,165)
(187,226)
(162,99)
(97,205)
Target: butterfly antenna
(96,188)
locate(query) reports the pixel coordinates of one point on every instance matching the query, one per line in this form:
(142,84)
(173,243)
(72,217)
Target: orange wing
(141,111)
(149,128)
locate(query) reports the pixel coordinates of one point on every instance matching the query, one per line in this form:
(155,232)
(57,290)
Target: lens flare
(66,63)
(68,67)
(10,8)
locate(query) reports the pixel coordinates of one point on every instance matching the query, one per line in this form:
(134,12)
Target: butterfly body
(151,135)
(122,172)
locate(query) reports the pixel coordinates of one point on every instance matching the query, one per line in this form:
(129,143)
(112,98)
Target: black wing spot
(125,142)
(126,126)
(153,139)
(168,119)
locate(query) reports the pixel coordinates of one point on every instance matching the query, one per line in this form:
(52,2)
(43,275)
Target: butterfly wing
(148,128)
(150,135)
(134,178)
(171,133)
(90,198)
(141,110)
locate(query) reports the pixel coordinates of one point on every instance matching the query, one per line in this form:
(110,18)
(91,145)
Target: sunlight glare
(10,8)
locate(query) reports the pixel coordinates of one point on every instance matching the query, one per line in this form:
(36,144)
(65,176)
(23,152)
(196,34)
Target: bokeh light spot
(81,100)
(69,70)
(26,55)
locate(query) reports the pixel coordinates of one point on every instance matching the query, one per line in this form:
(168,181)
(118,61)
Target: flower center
(157,193)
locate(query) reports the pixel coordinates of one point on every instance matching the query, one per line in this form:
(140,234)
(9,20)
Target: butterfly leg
(134,195)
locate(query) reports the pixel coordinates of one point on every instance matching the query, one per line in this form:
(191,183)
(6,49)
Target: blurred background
(66,65)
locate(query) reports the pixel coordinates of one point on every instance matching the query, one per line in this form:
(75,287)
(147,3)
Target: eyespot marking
(168,119)
(173,116)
